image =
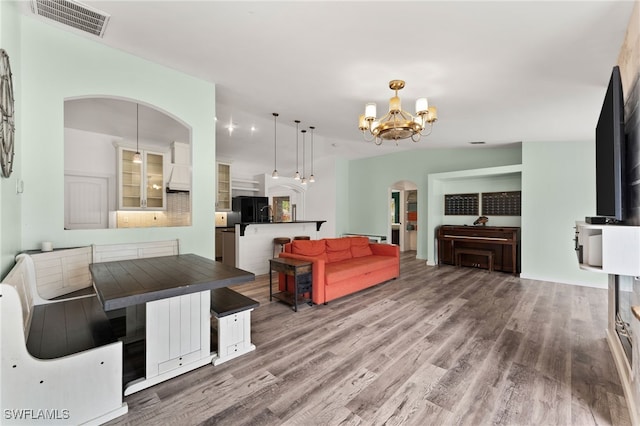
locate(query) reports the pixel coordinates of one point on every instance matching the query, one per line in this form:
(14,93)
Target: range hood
(180,177)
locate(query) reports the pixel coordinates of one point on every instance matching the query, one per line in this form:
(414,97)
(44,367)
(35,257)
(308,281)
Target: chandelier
(397,124)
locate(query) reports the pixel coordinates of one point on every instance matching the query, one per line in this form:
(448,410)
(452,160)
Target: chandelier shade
(397,124)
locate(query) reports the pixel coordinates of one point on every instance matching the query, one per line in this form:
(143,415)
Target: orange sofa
(343,266)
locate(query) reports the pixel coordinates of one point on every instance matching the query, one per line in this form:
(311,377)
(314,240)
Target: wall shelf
(244,185)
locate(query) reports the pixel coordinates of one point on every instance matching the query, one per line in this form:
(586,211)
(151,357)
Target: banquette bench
(60,362)
(60,356)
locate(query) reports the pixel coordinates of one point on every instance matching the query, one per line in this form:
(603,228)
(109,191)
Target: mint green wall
(10,201)
(370,179)
(57,65)
(342,196)
(558,188)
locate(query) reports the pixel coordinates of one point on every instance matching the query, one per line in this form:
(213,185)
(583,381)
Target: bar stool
(280,241)
(302,237)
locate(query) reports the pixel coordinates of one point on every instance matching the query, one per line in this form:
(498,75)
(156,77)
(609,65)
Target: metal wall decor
(461,204)
(501,203)
(7,121)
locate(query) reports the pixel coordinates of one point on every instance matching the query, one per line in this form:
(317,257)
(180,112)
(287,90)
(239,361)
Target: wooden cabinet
(502,241)
(218,243)
(141,185)
(223,194)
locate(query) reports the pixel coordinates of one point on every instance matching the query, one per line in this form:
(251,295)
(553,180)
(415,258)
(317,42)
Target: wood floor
(438,346)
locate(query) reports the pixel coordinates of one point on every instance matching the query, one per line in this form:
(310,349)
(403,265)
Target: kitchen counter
(254,241)
(243,225)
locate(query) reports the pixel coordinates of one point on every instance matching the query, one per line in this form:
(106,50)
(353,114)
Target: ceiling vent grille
(72,14)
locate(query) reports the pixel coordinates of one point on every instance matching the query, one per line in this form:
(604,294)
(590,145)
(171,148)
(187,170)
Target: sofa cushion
(360,247)
(311,248)
(353,268)
(338,249)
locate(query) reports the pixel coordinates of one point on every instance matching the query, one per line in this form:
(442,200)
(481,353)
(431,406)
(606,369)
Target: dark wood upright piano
(503,241)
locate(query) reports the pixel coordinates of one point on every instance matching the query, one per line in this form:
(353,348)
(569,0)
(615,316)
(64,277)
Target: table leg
(295,293)
(270,284)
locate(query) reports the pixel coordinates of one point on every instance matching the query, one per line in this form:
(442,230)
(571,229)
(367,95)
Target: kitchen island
(254,241)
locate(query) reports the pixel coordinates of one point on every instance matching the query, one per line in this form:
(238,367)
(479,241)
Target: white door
(86,201)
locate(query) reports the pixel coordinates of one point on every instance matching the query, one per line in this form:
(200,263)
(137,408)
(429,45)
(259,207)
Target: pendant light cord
(137,127)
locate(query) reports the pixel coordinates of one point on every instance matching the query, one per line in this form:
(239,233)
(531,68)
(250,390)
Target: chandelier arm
(416,139)
(364,135)
(405,115)
(384,118)
(378,141)
(429,132)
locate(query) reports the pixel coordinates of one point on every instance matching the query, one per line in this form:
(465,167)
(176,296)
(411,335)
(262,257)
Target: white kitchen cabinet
(141,185)
(223,193)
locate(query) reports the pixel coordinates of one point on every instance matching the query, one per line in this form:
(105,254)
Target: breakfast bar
(254,241)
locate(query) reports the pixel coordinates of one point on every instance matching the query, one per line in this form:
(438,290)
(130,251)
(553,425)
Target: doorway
(403,215)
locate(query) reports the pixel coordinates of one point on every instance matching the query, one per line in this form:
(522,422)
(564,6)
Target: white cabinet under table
(174,333)
(176,291)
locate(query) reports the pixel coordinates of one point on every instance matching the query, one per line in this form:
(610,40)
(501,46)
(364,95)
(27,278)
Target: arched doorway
(403,215)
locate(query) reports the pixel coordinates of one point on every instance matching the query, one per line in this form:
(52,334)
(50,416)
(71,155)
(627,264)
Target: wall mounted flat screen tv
(610,152)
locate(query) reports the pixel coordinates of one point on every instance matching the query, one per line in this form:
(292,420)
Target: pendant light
(275,147)
(297,175)
(304,179)
(137,158)
(312,178)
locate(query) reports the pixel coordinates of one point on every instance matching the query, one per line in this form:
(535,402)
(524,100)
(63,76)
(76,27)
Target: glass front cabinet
(141,185)
(223,193)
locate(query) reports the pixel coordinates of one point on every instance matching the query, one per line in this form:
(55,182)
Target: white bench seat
(232,313)
(80,380)
(68,327)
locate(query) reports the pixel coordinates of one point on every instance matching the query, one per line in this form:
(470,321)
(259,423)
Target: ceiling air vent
(72,14)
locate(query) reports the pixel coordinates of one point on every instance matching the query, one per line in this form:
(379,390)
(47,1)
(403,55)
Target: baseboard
(624,372)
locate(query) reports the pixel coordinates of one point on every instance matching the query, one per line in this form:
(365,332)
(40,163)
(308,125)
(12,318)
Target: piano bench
(475,252)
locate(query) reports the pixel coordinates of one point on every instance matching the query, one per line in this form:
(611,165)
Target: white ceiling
(499,72)
(119,117)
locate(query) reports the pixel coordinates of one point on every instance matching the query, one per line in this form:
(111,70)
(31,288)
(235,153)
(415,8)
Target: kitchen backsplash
(178,213)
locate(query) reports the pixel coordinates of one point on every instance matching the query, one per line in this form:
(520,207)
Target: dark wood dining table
(175,291)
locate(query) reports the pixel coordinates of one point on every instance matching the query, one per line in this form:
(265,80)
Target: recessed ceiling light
(477,143)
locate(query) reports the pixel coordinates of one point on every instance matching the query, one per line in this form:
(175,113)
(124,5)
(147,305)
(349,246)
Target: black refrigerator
(251,209)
